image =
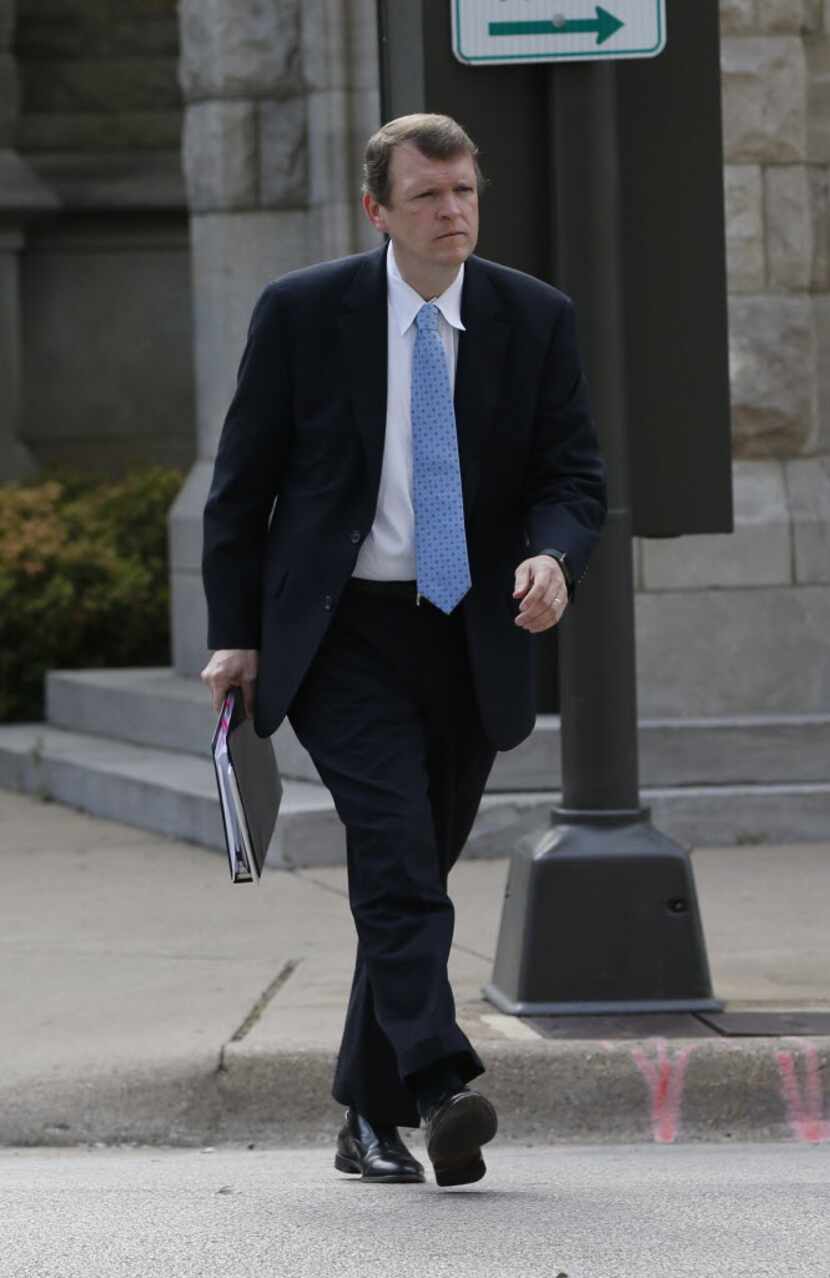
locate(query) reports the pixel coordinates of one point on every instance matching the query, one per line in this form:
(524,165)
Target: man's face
(432,215)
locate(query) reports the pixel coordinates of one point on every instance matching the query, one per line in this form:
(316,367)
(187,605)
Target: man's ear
(375,213)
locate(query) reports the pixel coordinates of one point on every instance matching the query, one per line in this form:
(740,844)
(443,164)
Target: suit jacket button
(327,603)
(354,537)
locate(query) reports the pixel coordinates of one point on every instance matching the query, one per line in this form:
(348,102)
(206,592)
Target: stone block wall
(98,77)
(106,329)
(280,97)
(753,604)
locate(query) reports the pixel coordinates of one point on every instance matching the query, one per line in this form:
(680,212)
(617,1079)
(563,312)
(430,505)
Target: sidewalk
(144,998)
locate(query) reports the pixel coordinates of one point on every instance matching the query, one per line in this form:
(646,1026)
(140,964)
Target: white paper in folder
(249,787)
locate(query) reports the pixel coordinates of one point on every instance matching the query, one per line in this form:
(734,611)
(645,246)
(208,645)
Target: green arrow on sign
(605,25)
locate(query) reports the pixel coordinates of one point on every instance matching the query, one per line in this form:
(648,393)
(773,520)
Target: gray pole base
(600,916)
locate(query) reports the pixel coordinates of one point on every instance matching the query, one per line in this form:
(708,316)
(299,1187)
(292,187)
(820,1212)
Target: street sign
(492,31)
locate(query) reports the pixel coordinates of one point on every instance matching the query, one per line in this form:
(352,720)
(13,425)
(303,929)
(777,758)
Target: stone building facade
(132,130)
(97,325)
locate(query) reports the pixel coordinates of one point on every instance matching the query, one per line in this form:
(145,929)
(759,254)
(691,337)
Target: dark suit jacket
(306,426)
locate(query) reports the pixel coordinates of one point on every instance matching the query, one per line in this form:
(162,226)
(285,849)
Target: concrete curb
(585,1091)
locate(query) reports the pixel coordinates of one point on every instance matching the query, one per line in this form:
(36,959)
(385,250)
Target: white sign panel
(490,31)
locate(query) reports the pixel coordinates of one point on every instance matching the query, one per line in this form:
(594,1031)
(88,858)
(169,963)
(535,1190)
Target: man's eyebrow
(429,190)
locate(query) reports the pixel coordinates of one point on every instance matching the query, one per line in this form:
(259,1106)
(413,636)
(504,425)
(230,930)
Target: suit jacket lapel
(364,334)
(482,350)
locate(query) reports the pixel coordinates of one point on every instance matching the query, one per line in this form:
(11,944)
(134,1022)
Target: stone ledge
(101,84)
(102,131)
(114,180)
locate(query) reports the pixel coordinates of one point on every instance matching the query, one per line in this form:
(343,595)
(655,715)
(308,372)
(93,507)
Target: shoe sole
(352,1168)
(455,1143)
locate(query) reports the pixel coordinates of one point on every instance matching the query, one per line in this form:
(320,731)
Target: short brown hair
(438,137)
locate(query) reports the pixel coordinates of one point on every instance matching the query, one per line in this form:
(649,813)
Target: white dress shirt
(388,553)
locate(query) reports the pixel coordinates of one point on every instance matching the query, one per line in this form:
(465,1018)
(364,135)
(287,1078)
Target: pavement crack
(264,999)
(321,883)
(465,949)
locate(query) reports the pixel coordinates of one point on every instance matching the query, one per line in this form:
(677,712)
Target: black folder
(250,790)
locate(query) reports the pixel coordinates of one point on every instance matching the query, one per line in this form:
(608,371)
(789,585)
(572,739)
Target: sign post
(601,913)
(606,171)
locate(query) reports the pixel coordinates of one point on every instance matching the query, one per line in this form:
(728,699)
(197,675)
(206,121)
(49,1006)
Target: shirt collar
(406,303)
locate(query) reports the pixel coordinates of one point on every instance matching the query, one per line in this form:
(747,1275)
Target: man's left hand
(541,586)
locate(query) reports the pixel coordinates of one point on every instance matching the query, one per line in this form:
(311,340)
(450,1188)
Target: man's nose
(450,205)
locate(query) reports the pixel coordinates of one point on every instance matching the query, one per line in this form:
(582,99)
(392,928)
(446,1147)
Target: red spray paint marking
(804,1109)
(665,1081)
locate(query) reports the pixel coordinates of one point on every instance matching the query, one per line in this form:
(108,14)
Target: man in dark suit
(407,489)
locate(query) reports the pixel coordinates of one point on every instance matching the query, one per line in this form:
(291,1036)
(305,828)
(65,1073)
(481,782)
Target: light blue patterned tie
(440,540)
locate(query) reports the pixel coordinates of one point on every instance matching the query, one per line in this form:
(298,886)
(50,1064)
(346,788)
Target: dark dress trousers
(401,707)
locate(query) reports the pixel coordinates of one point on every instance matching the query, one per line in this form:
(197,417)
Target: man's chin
(454,248)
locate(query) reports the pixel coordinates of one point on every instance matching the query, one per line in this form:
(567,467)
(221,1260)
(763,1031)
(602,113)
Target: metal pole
(601,911)
(598,693)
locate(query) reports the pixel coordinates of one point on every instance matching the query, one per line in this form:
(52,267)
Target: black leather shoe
(375,1153)
(456,1128)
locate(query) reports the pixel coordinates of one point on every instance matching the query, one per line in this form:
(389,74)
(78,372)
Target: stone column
(279,96)
(21,194)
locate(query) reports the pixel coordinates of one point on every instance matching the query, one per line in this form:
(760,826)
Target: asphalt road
(747,1211)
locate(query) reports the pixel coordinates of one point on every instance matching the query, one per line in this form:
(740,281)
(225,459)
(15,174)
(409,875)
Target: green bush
(83,579)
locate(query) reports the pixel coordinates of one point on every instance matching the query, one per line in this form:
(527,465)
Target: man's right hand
(232,668)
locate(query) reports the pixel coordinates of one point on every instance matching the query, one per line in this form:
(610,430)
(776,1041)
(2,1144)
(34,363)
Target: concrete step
(168,792)
(152,707)
(173,793)
(159,708)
